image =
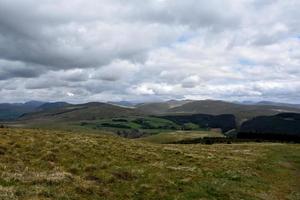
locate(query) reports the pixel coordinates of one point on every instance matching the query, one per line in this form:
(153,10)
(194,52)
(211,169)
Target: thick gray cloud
(102,50)
(15,69)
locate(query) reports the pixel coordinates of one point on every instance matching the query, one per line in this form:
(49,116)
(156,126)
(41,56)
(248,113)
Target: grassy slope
(241,112)
(154,123)
(89,111)
(36,164)
(176,136)
(157,125)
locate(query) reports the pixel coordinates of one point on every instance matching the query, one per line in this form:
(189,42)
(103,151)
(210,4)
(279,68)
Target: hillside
(51,106)
(89,111)
(242,112)
(177,136)
(160,107)
(224,122)
(62,165)
(123,103)
(271,103)
(11,111)
(281,126)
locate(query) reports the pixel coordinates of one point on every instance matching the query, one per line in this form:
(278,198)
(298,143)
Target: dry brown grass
(39,164)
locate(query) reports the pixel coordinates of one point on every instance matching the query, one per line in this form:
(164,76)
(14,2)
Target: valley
(273,121)
(105,151)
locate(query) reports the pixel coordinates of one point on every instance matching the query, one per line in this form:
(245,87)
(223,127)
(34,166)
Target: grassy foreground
(39,164)
(176,136)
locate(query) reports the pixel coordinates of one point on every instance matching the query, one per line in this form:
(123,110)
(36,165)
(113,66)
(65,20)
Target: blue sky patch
(244,61)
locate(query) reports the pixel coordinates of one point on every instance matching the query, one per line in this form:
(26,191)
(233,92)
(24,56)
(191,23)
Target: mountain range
(264,118)
(65,111)
(11,111)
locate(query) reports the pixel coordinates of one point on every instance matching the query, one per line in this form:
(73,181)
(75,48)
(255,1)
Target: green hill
(241,112)
(67,112)
(89,111)
(284,126)
(160,107)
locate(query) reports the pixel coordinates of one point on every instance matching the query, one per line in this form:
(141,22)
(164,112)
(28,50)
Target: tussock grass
(177,136)
(40,164)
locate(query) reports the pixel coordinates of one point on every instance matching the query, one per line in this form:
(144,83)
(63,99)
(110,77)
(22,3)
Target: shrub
(208,141)
(190,126)
(120,120)
(83,123)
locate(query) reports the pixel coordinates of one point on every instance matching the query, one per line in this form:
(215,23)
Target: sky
(150,50)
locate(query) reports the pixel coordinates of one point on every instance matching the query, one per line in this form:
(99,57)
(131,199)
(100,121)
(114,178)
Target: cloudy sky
(112,50)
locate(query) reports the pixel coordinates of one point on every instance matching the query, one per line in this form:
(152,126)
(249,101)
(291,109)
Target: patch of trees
(224,122)
(84,123)
(119,120)
(115,125)
(190,126)
(227,140)
(146,124)
(209,140)
(282,127)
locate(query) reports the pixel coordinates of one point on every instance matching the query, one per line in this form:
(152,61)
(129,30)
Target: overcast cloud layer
(111,50)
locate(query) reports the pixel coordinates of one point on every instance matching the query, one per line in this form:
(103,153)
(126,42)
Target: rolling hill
(51,106)
(88,111)
(11,111)
(62,111)
(282,126)
(241,112)
(225,122)
(160,107)
(271,103)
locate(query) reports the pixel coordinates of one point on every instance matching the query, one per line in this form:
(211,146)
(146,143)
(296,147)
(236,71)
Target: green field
(132,123)
(40,164)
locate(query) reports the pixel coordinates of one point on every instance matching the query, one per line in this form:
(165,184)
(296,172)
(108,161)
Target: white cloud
(153,49)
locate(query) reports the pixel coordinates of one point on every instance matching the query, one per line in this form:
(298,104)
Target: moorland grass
(177,136)
(41,164)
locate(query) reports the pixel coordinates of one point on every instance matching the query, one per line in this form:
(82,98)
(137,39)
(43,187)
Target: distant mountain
(123,103)
(245,102)
(34,104)
(88,111)
(12,111)
(176,103)
(95,110)
(278,104)
(268,103)
(160,107)
(241,112)
(50,106)
(206,106)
